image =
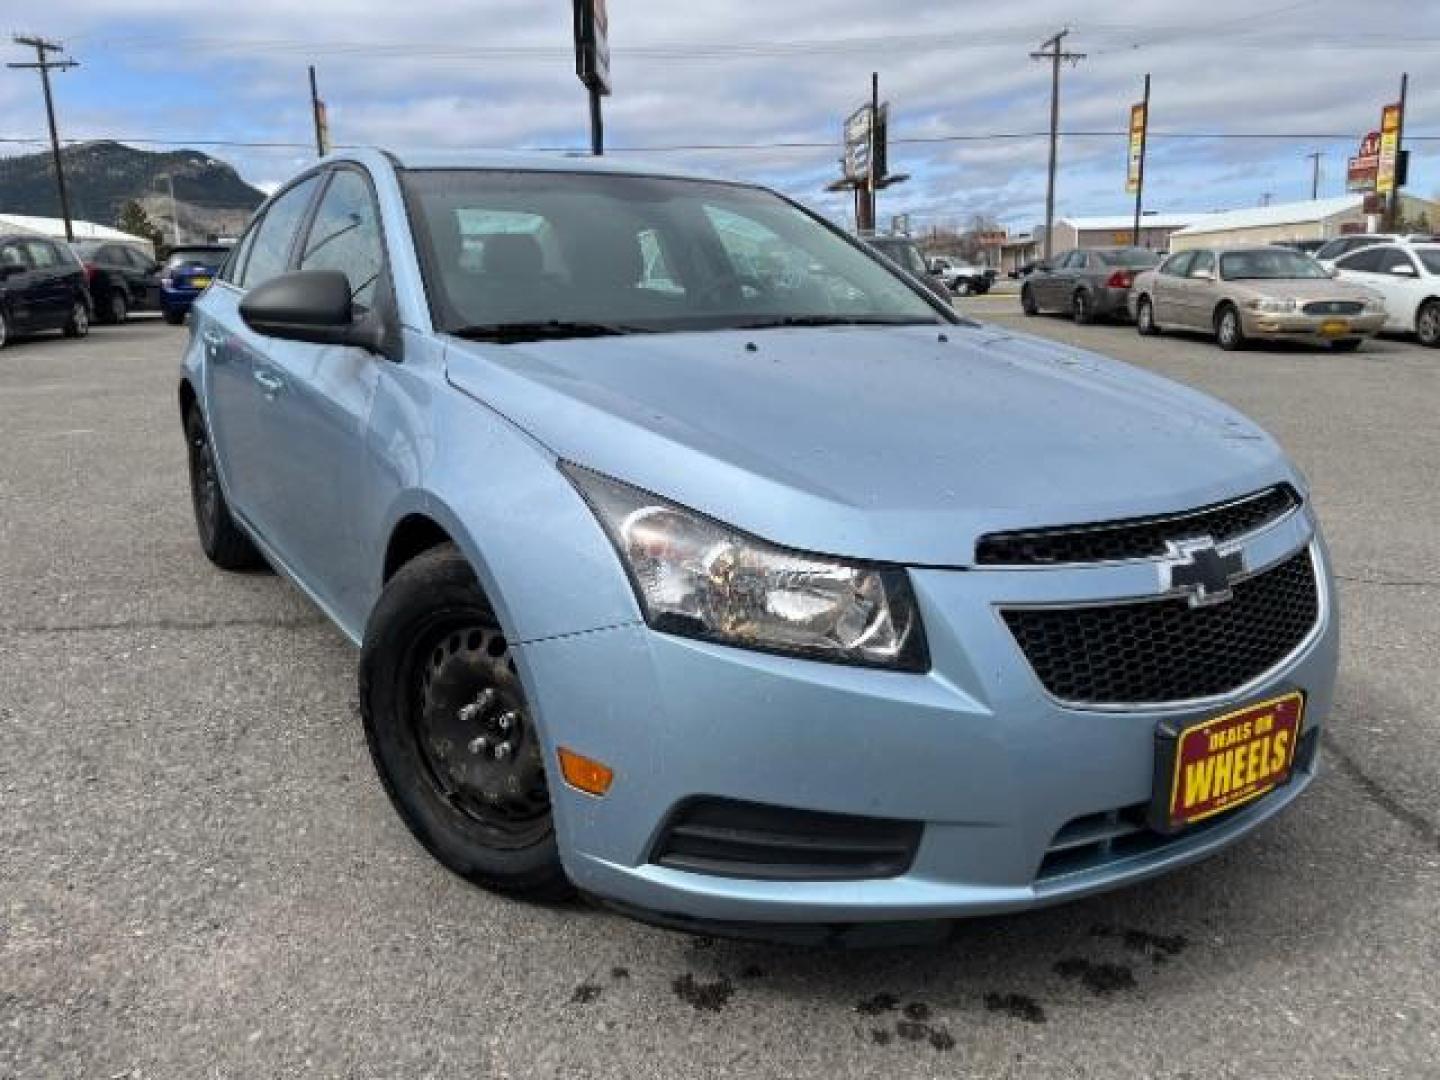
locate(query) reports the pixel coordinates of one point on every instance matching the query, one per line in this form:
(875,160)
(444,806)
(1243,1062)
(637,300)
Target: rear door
(18,286)
(1196,291)
(1363,268)
(49,288)
(1404,287)
(240,385)
(1169,288)
(143,279)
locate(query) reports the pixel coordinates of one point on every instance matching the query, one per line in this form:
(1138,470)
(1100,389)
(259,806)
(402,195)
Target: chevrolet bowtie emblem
(1196,569)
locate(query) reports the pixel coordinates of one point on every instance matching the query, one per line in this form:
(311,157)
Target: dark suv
(42,287)
(122,279)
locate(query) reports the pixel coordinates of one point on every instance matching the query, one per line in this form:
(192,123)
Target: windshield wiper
(550,329)
(781,321)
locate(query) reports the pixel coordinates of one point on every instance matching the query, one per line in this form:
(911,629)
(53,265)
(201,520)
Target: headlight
(1272,305)
(698,578)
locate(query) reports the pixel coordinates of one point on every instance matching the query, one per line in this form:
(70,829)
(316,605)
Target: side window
(1203,264)
(270,252)
(1178,265)
(1393,260)
(42,254)
(235,264)
(1366,261)
(1079,260)
(345,236)
(12,254)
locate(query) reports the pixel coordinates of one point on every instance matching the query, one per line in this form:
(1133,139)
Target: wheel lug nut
(502,751)
(480,745)
(506,721)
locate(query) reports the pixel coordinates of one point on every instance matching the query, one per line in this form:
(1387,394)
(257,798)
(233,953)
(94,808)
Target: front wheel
(452,733)
(1027,302)
(1228,330)
(1427,324)
(79,323)
(221,538)
(4,330)
(118,308)
(174,318)
(1145,318)
(1081,308)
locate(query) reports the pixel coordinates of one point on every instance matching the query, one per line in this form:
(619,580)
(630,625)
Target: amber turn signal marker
(585,773)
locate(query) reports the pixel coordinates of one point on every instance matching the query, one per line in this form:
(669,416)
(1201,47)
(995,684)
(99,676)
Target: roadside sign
(1138,120)
(857,144)
(592,44)
(1361,170)
(1389,145)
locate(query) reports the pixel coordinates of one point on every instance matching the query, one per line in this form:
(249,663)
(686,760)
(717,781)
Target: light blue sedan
(701,562)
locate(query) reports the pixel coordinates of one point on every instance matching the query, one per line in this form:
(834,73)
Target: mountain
(101,177)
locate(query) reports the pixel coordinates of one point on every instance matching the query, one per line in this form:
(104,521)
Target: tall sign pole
(44,66)
(1051,51)
(321,117)
(1135,177)
(870,175)
(592,62)
(1390,176)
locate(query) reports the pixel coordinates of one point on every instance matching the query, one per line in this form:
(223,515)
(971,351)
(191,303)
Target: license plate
(1229,760)
(1334,327)
(199,282)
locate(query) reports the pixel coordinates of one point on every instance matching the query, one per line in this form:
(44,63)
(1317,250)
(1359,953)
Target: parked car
(42,287)
(1244,294)
(1407,277)
(742,601)
(1090,284)
(964,278)
(1309,247)
(1343,245)
(1024,269)
(905,253)
(185,274)
(121,279)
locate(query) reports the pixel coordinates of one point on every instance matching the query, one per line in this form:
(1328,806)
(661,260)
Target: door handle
(270,384)
(213,338)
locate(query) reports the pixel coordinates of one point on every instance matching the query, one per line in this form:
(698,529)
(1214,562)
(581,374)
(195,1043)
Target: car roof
(533,161)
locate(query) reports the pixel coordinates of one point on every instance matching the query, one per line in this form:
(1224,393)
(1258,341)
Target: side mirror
(312,306)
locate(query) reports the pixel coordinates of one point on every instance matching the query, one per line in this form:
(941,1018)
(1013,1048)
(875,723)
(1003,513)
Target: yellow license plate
(200,282)
(1334,327)
(1232,759)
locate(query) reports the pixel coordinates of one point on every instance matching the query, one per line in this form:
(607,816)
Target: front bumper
(1311,328)
(975,750)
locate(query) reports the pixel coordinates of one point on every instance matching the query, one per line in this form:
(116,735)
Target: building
(1118,231)
(54,228)
(1313,219)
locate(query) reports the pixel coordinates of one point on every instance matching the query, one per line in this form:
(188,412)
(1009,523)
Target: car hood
(1301,289)
(878,443)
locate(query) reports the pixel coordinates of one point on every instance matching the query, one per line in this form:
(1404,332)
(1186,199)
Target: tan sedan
(1243,294)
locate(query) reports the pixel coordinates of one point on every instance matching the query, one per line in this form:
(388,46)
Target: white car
(1407,276)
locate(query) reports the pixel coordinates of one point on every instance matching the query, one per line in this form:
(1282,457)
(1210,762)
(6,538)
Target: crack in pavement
(1425,829)
(270,622)
(1388,582)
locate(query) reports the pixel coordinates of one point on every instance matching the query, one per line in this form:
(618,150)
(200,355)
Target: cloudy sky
(968,105)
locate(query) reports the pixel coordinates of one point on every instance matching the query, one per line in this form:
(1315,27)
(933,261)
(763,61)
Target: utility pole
(174,210)
(1054,55)
(45,66)
(1315,157)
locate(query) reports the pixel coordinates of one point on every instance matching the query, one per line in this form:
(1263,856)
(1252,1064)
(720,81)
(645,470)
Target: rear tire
(1082,308)
(1229,331)
(1427,324)
(4,330)
(222,540)
(436,679)
(1145,323)
(79,324)
(174,318)
(1027,301)
(117,308)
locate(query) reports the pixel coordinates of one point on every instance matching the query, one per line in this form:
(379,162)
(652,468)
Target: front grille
(1154,651)
(729,838)
(1094,841)
(1334,307)
(1135,538)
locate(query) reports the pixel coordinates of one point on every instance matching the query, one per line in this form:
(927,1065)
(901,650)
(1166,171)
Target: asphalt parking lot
(200,875)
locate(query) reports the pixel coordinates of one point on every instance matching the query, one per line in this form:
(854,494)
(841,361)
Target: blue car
(187,273)
(700,561)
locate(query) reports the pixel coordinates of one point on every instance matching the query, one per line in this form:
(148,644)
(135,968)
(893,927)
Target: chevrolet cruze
(701,562)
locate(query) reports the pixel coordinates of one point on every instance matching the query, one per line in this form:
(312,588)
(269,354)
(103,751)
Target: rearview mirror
(314,306)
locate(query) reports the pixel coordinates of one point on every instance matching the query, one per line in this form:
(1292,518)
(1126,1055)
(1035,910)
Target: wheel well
(1220,310)
(413,536)
(188,399)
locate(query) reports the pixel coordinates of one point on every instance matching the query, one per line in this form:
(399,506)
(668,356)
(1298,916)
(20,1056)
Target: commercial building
(1313,219)
(54,228)
(1118,231)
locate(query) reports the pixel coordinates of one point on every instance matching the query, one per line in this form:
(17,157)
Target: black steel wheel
(119,307)
(1081,308)
(1145,318)
(79,324)
(221,538)
(1027,301)
(452,733)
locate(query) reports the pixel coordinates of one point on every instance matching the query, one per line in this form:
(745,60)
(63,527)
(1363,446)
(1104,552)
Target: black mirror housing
(313,306)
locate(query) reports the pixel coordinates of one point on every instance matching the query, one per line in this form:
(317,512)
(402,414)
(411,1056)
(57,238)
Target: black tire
(174,318)
(221,538)
(1082,308)
(1027,301)
(1229,331)
(1145,323)
(436,683)
(117,308)
(79,324)
(1427,324)
(4,330)
(1347,345)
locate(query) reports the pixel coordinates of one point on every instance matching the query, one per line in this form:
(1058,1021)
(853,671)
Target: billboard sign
(1361,169)
(592,44)
(1138,120)
(857,144)
(1389,147)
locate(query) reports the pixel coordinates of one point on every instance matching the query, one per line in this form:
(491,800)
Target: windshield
(1270,263)
(905,253)
(1129,257)
(564,254)
(197,256)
